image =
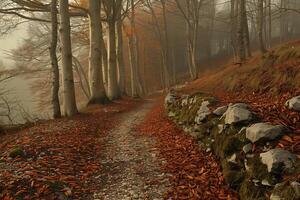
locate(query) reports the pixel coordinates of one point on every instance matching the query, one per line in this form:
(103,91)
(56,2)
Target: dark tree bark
(261,25)
(54,62)
(240,32)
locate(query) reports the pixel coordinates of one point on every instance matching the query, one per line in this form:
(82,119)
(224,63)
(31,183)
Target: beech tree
(260,24)
(163,37)
(241,31)
(54,61)
(111,9)
(190,10)
(69,104)
(97,89)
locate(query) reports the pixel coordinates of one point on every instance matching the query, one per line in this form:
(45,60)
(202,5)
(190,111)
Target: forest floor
(126,150)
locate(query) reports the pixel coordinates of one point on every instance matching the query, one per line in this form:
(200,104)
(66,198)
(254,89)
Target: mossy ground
(17,151)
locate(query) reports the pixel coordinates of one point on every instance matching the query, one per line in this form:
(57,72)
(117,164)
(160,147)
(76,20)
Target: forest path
(130,163)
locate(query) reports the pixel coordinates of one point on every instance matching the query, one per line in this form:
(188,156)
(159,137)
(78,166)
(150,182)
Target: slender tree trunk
(270,23)
(97,89)
(70,107)
(104,59)
(136,87)
(162,36)
(120,56)
(261,25)
(240,32)
(113,88)
(54,61)
(140,86)
(166,46)
(233,16)
(246,33)
(133,87)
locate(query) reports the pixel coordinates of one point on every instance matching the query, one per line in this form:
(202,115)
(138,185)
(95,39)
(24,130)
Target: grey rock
(247,148)
(170,99)
(203,112)
(276,157)
(265,182)
(232,159)
(294,103)
(260,131)
(237,113)
(220,111)
(275,197)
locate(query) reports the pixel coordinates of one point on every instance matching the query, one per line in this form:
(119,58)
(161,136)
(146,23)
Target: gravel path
(130,163)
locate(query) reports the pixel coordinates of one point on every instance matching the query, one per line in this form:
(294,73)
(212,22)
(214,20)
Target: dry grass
(275,72)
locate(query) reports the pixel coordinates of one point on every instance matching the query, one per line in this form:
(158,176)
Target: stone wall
(245,147)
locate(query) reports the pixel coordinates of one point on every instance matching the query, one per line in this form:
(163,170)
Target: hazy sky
(18,87)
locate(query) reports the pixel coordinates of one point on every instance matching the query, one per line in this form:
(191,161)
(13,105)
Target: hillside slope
(275,72)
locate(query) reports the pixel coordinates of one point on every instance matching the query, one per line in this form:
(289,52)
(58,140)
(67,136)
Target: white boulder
(275,158)
(260,131)
(237,113)
(294,103)
(203,112)
(170,99)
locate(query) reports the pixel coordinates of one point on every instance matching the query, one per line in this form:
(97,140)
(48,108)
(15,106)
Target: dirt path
(130,164)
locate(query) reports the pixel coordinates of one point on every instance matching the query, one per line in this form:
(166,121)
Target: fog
(18,87)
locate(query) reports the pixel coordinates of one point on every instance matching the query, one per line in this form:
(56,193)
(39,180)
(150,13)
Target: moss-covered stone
(248,191)
(259,171)
(233,173)
(17,151)
(287,191)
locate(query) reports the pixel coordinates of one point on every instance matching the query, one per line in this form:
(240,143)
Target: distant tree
(161,28)
(111,9)
(240,31)
(260,23)
(190,9)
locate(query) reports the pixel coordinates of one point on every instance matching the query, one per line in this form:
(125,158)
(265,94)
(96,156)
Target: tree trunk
(246,33)
(233,17)
(104,59)
(136,88)
(54,61)
(97,89)
(70,107)
(166,46)
(120,56)
(113,91)
(261,25)
(270,23)
(137,55)
(240,32)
